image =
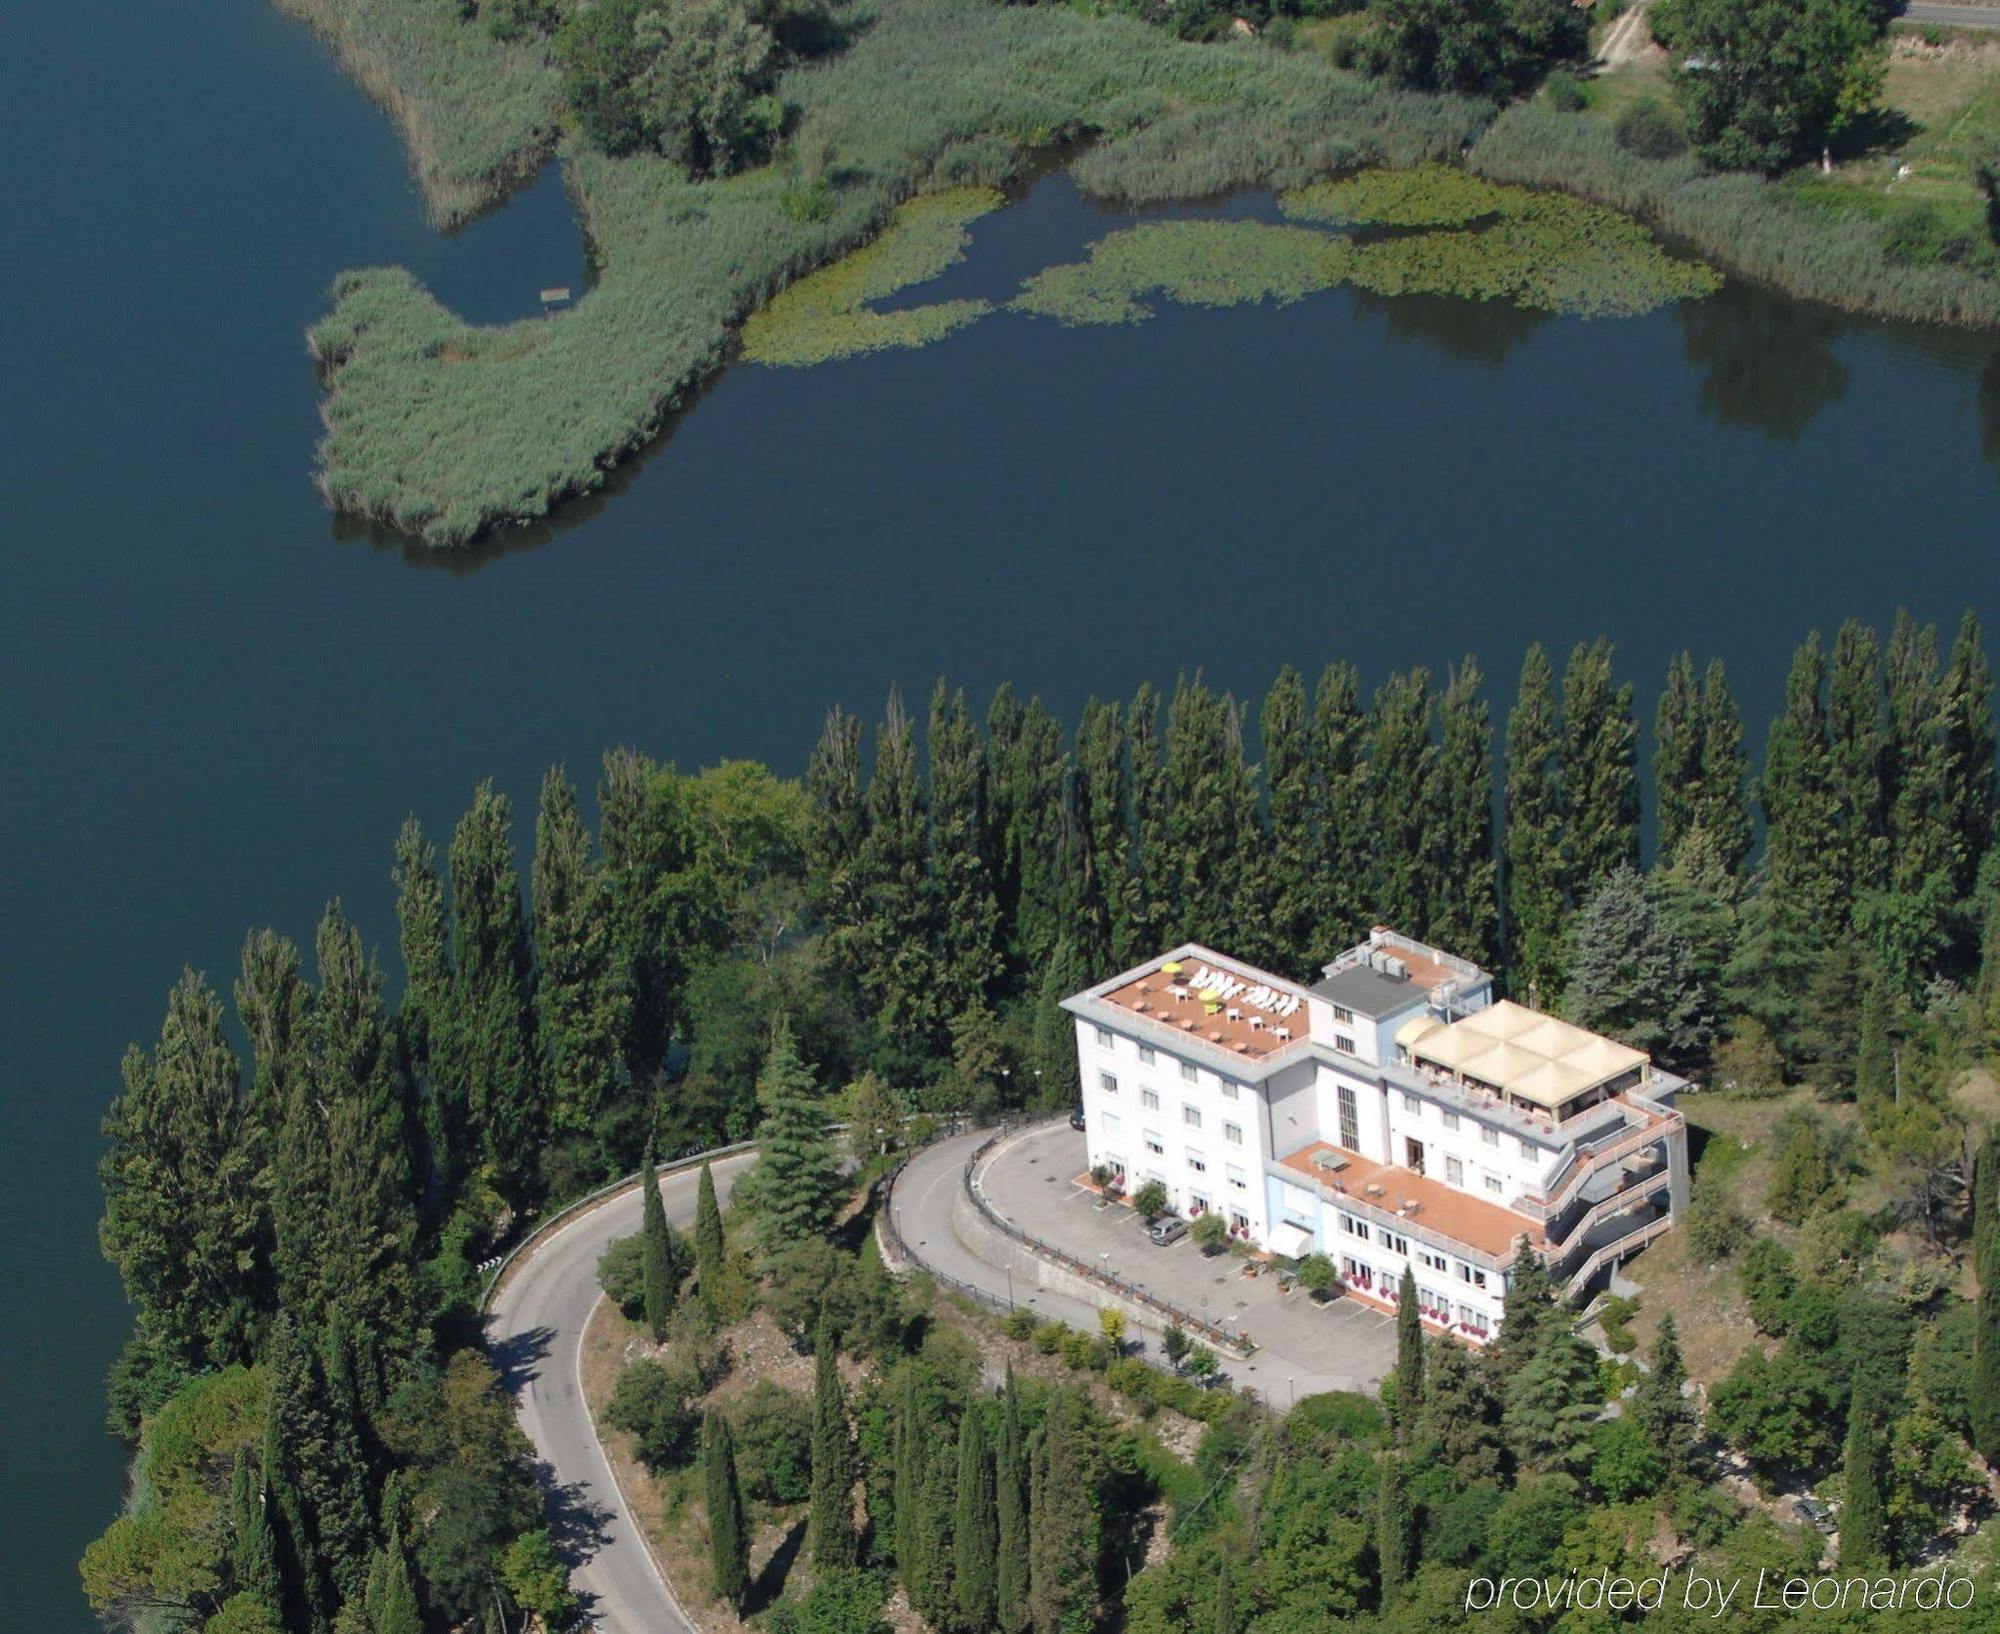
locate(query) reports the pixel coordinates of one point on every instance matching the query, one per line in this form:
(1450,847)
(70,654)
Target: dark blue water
(219,703)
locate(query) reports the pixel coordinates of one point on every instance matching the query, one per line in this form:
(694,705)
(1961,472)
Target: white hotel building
(1391,1114)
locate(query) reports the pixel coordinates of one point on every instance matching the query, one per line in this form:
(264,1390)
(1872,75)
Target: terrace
(1410,1203)
(1243,1012)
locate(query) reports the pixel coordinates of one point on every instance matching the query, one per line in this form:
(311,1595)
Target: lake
(221,701)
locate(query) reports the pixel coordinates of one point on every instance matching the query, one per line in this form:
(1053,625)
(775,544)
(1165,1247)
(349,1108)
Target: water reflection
(1483,332)
(1768,362)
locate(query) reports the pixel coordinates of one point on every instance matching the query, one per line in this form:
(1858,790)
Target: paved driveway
(1030,1179)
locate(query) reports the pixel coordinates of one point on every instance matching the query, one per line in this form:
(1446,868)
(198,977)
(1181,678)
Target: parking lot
(1304,1346)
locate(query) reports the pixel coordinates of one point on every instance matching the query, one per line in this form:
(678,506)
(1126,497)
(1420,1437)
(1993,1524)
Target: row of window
(1397,1243)
(1414,1105)
(1436,1305)
(1190,1114)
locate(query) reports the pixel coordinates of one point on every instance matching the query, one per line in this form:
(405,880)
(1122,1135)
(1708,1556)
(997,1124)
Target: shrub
(1210,1232)
(1923,237)
(655,1403)
(1748,1063)
(1018,1324)
(1765,1271)
(774,1443)
(1150,1200)
(1316,1273)
(1650,130)
(1715,1227)
(1616,1320)
(1049,1337)
(1565,93)
(1624,1464)
(621,1273)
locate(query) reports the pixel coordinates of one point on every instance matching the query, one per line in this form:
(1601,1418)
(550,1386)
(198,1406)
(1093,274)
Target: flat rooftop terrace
(1238,1011)
(1440,1209)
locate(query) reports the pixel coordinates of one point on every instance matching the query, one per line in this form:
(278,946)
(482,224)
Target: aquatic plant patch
(1426,196)
(1199,263)
(825,315)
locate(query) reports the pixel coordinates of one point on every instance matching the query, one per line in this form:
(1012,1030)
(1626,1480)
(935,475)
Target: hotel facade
(1392,1114)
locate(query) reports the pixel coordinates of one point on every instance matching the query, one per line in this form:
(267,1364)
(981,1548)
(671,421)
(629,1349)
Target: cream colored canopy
(1521,1052)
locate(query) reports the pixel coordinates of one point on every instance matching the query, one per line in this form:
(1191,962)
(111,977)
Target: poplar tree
(1802,842)
(1057,1082)
(1679,738)
(835,875)
(831,1530)
(1465,908)
(708,1245)
(1864,1519)
(1212,828)
(728,1526)
(1155,911)
(1534,837)
(1983,1398)
(796,1186)
(968,917)
(182,1217)
(1395,1526)
(491,1015)
(1063,1524)
(1299,874)
(1857,746)
(1409,1356)
(1107,888)
(253,1545)
(1600,782)
(1004,718)
(1010,1481)
(656,1252)
(271,998)
(975,1527)
(1966,717)
(421,934)
(1920,840)
(1039,845)
(898,968)
(583,1003)
(1402,761)
(1346,838)
(660,911)
(1724,810)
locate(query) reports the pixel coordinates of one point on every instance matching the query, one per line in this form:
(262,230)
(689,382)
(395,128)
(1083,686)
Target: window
(1350,1121)
(1437,1262)
(1343,1043)
(1490,1137)
(1451,1120)
(1108,1082)
(1229,1090)
(1354,1228)
(1108,1122)
(1150,1099)
(1473,1321)
(1238,1180)
(1197,1203)
(1492,1182)
(1472,1274)
(1530,1150)
(1239,1220)
(1454,1172)
(1343,1015)
(1412,1104)
(1146,1056)
(1197,1162)
(1154,1144)
(1233,1133)
(1395,1244)
(1191,1116)
(1190,1072)
(1104,1038)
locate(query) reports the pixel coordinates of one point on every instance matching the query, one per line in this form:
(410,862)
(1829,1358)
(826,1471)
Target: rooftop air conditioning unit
(1328,1160)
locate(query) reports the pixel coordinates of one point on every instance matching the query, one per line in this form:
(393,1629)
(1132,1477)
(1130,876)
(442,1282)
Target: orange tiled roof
(1442,1209)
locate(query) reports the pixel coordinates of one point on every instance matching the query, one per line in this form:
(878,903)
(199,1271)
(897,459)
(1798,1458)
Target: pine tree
(967,915)
(1984,1394)
(1395,1526)
(253,1545)
(1340,777)
(1679,737)
(1551,1402)
(1459,1429)
(1402,762)
(796,1187)
(1857,748)
(1010,1480)
(728,1526)
(1630,976)
(1534,837)
(831,1533)
(1966,713)
(1104,922)
(1299,876)
(1064,1523)
(1409,1356)
(583,1005)
(708,1245)
(975,1527)
(899,969)
(1724,810)
(656,1252)
(1600,782)
(1465,908)
(1660,1406)
(1864,1520)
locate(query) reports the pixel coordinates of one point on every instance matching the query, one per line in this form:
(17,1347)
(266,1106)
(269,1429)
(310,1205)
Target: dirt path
(1627,39)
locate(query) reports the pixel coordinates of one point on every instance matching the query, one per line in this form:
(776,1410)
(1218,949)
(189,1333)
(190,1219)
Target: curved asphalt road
(535,1333)
(1956,16)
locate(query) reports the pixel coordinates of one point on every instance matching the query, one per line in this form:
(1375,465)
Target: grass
(1198,263)
(1427,196)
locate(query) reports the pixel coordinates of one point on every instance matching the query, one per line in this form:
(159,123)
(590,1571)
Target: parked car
(1076,1119)
(1168,1228)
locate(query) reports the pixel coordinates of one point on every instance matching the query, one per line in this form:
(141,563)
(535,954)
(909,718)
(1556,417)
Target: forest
(301,1187)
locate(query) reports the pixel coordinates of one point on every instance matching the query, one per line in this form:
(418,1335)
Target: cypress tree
(1802,842)
(1857,747)
(302,1578)
(1679,737)
(1010,1481)
(1874,1077)
(1395,1527)
(968,917)
(1465,907)
(922,1488)
(1103,923)
(1724,811)
(391,1597)
(1600,781)
(1226,1614)
(831,1532)
(1402,762)
(1409,1356)
(1984,1395)
(583,1006)
(898,969)
(1864,1519)
(1298,873)
(1155,910)
(1966,713)
(975,1527)
(1340,778)
(1063,1524)
(656,1252)
(708,1244)
(253,1545)
(1534,837)
(1660,1406)
(728,1526)
(796,1186)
